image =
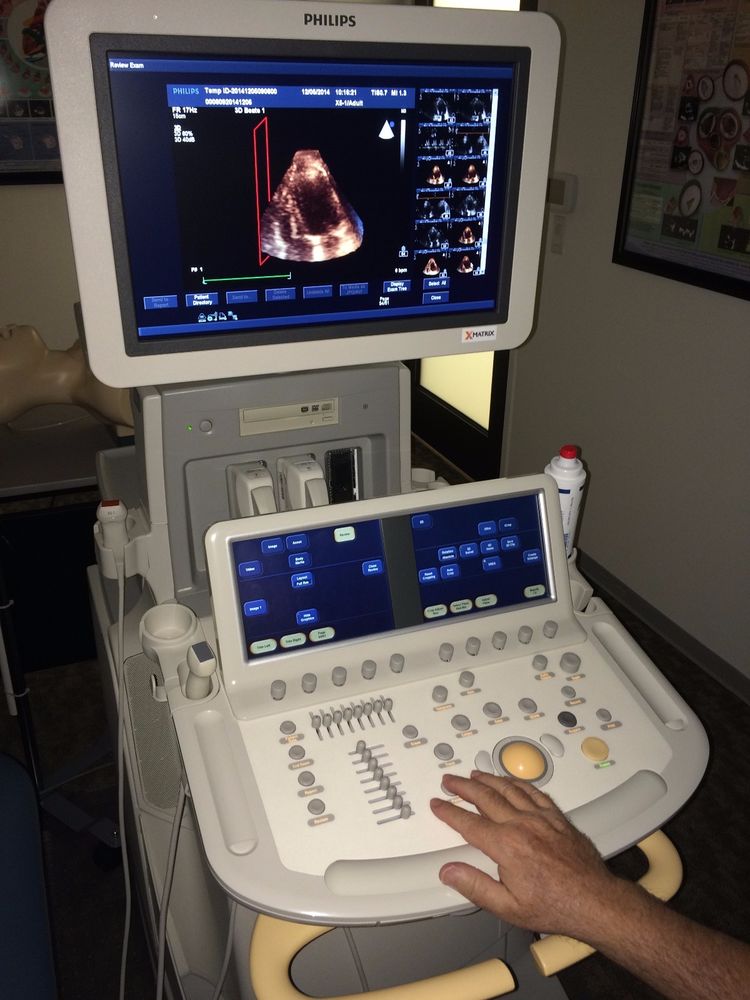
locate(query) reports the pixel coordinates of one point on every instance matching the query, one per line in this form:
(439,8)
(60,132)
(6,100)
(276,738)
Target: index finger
(482,833)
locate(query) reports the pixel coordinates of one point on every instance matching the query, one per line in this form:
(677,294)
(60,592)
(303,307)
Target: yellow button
(524,761)
(594,748)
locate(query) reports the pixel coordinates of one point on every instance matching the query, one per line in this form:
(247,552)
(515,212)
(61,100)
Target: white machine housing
(472,682)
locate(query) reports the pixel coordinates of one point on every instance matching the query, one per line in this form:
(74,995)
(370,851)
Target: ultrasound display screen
(262,198)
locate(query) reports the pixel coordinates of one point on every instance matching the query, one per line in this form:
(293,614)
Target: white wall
(37,276)
(650,376)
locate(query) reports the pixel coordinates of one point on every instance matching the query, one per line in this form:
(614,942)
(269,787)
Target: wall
(649,376)
(37,277)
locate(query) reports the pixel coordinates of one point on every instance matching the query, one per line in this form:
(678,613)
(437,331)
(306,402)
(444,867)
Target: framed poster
(685,202)
(29,152)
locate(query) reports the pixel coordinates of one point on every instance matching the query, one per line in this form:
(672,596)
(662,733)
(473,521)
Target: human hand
(550,876)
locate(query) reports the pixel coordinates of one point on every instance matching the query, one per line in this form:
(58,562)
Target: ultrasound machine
(272,205)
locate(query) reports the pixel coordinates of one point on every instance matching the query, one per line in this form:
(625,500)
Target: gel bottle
(568,472)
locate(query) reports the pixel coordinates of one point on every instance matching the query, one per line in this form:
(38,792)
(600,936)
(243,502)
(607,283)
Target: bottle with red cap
(568,472)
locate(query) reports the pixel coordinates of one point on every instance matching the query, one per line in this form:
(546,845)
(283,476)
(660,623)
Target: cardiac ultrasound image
(308,218)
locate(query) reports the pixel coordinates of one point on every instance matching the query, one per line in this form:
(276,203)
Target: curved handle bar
(663,879)
(275,943)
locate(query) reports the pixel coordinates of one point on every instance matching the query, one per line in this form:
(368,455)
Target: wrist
(613,911)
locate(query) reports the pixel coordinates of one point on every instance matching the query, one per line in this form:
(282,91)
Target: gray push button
(525,633)
(492,710)
(396,663)
(461,723)
(550,629)
(552,744)
(473,645)
(338,676)
(466,679)
(287,727)
(316,806)
(368,669)
(539,662)
(443,751)
(446,651)
(278,690)
(527,705)
(297,752)
(309,683)
(499,639)
(306,778)
(439,693)
(570,661)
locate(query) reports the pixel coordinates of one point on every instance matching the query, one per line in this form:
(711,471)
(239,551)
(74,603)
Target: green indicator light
(188,427)
(604,763)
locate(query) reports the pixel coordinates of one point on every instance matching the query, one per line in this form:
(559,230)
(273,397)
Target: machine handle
(275,943)
(663,879)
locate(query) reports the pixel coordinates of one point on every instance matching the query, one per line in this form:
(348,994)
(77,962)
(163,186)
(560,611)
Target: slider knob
(524,761)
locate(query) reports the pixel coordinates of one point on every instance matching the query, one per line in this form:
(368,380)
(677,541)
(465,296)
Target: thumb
(483,890)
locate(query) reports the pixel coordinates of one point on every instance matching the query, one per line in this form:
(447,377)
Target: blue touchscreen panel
(480,556)
(312,587)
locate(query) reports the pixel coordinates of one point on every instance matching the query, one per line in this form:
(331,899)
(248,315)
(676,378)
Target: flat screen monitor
(257,187)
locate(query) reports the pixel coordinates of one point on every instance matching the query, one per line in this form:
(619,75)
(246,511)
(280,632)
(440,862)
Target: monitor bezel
(70,25)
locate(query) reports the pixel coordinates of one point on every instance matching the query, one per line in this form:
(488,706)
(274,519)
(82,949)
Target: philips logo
(331,20)
(479,333)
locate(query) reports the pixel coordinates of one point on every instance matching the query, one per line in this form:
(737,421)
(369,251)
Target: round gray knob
(306,778)
(550,629)
(446,651)
(338,676)
(466,679)
(570,661)
(473,645)
(499,639)
(396,663)
(287,727)
(439,693)
(525,633)
(368,669)
(539,662)
(443,751)
(309,683)
(278,690)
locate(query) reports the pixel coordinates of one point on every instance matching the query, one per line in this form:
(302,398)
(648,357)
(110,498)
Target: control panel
(412,648)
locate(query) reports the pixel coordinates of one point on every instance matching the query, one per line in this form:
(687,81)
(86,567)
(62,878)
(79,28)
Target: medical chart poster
(29,150)
(685,205)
